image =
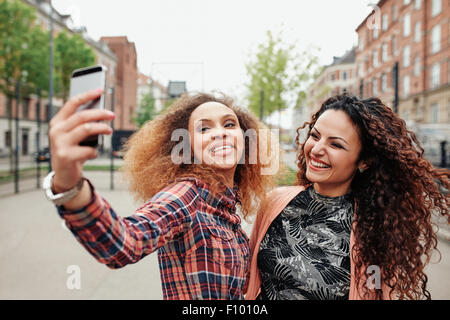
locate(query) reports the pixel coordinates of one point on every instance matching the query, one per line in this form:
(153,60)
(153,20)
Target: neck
(332,190)
(228,175)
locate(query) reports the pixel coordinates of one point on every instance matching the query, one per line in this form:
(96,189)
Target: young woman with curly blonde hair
(358,223)
(189,212)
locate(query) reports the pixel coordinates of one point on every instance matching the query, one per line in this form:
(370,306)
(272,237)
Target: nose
(318,148)
(219,132)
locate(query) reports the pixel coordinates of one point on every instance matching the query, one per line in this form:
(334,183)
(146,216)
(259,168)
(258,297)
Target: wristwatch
(60,198)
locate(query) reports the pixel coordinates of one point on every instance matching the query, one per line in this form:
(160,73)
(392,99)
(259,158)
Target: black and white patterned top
(305,254)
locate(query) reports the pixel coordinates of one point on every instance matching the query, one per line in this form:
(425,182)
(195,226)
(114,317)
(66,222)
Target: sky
(207,43)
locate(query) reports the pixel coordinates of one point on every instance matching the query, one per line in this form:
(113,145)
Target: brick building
(126,81)
(414,35)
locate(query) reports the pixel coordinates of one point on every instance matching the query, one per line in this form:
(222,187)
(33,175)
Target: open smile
(317,164)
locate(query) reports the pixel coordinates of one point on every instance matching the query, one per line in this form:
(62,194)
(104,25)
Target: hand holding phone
(86,79)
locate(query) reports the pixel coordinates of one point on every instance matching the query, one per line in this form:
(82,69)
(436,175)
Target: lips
(216,148)
(318,164)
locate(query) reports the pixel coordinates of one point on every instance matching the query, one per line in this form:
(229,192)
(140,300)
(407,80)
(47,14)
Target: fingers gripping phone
(85,79)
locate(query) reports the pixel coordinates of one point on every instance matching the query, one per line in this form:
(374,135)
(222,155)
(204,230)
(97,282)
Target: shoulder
(281,193)
(179,193)
(276,200)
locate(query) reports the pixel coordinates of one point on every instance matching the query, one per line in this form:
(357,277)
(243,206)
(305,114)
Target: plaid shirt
(203,252)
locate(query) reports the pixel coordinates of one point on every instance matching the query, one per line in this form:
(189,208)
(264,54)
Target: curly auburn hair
(148,166)
(395,196)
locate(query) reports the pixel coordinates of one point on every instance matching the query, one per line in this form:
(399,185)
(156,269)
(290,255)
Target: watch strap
(60,198)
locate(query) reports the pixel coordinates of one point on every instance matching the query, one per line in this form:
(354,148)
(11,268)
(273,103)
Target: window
(394,13)
(344,75)
(394,45)
(406,83)
(375,32)
(384,22)
(375,59)
(384,52)
(417,32)
(434,113)
(374,87)
(436,39)
(406,2)
(435,75)
(333,77)
(405,114)
(406,56)
(8,139)
(25,108)
(407,25)
(435,7)
(384,82)
(360,43)
(360,69)
(417,4)
(416,65)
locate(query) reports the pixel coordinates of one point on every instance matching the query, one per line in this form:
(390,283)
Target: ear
(363,166)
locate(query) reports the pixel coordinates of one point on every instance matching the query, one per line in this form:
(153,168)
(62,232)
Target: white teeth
(320,165)
(221,148)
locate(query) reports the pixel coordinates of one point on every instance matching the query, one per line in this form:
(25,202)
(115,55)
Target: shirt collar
(228,198)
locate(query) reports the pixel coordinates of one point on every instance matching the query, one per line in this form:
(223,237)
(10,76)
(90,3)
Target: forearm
(81,200)
(117,241)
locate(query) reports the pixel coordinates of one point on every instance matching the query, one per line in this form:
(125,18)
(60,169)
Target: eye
(230,124)
(202,129)
(315,136)
(337,145)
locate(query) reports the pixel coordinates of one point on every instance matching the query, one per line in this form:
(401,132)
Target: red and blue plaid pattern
(203,252)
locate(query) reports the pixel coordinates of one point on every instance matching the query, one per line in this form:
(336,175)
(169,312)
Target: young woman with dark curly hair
(358,223)
(189,212)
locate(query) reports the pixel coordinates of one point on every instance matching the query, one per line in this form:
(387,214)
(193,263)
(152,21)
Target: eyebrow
(223,117)
(332,137)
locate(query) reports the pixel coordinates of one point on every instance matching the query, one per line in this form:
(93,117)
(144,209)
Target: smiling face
(332,152)
(216,137)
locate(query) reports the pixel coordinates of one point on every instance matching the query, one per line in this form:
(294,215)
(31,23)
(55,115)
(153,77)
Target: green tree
(71,52)
(146,110)
(16,24)
(281,73)
(22,54)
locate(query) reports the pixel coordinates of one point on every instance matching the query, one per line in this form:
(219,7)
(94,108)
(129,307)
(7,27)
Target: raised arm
(117,241)
(67,129)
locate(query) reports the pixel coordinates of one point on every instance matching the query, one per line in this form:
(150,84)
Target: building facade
(159,92)
(403,57)
(126,82)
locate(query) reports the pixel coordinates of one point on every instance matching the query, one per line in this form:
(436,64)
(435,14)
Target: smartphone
(86,79)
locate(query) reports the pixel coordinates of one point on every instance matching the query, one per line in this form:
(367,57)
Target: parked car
(118,154)
(42,155)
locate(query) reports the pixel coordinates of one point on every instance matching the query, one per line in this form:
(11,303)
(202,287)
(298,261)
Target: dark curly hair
(396,196)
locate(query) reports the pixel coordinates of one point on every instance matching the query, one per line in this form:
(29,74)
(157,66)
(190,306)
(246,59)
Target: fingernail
(111,114)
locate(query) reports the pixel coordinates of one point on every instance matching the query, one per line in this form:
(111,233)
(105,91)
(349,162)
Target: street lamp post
(50,85)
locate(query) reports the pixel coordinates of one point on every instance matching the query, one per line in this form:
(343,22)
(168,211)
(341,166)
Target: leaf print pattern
(305,253)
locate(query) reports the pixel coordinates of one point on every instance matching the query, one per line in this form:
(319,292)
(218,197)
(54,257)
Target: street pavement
(41,259)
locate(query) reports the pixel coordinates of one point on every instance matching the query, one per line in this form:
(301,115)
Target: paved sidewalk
(40,258)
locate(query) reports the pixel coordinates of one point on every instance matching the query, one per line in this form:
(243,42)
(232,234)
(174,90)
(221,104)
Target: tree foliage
(17,45)
(71,53)
(146,111)
(281,72)
(24,52)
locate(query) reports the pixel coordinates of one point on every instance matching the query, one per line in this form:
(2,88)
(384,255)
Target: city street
(40,258)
